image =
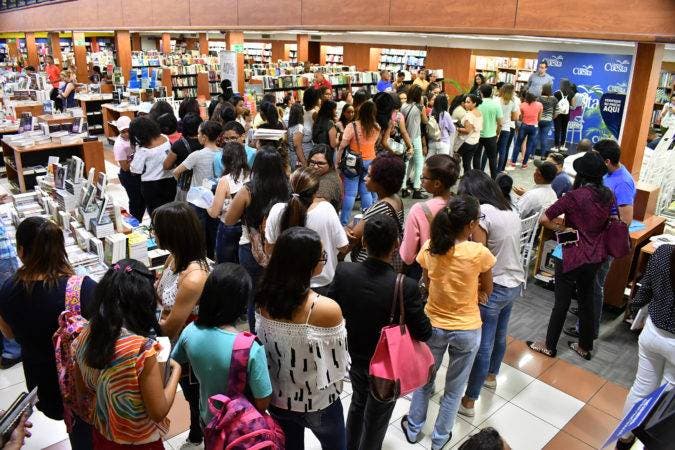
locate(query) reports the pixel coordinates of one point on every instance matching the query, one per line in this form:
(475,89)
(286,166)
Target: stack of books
(138,247)
(115,248)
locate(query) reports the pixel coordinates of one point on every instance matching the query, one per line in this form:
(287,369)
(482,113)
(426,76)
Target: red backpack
(236,423)
(71,323)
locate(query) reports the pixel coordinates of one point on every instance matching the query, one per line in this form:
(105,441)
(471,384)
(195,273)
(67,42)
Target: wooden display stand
(111,113)
(91,153)
(56,119)
(91,108)
(35,108)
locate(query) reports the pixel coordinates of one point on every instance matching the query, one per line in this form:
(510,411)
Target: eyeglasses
(313,162)
(229,139)
(481,217)
(324,257)
(422,177)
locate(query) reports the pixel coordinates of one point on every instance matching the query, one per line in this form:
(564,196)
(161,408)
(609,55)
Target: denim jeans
(352,186)
(462,346)
(495,316)
(599,295)
(210,227)
(487,150)
(544,127)
(10,348)
(132,184)
(255,270)
(328,425)
(227,243)
(505,138)
(417,160)
(529,132)
(368,417)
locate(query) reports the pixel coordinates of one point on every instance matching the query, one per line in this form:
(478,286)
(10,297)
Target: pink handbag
(400,364)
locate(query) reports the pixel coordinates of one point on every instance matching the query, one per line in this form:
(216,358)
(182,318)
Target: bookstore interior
(57,163)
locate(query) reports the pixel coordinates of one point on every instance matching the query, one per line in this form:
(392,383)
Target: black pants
(157,193)
(467,152)
(579,280)
(487,149)
(560,129)
(210,227)
(190,386)
(368,418)
(132,184)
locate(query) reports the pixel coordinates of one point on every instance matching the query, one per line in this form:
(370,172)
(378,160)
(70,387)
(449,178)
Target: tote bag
(400,364)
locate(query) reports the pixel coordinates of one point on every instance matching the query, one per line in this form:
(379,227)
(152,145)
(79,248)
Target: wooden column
(55,43)
(203,44)
(166,43)
(80,53)
(136,45)
(232,38)
(303,48)
(31,49)
(646,71)
(278,51)
(94,45)
(123,46)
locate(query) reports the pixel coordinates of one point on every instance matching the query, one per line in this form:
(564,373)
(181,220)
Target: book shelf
(395,59)
(664,90)
(258,52)
(332,55)
(504,69)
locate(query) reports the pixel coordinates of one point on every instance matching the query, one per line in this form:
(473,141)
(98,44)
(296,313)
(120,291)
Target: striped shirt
(119,411)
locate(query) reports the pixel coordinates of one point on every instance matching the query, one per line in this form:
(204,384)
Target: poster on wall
(602,80)
(228,67)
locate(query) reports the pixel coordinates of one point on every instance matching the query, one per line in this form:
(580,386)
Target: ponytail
(450,221)
(304,184)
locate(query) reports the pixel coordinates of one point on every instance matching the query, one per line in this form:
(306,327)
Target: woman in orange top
(531,111)
(360,136)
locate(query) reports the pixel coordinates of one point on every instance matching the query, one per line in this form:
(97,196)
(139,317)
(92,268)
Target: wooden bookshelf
(505,69)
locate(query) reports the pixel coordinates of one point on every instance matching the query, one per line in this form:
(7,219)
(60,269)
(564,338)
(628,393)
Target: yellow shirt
(453,284)
(424,84)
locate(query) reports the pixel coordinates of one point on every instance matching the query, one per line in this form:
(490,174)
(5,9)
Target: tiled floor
(539,403)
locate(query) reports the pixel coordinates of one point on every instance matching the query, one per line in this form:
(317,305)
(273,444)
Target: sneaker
(187,445)
(511,166)
(468,412)
(405,193)
(490,384)
(571,331)
(554,149)
(419,195)
(563,148)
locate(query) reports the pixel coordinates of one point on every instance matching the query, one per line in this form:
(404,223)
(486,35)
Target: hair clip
(116,267)
(295,195)
(448,210)
(128,269)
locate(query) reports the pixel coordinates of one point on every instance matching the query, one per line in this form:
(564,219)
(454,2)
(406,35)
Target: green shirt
(209,352)
(491,112)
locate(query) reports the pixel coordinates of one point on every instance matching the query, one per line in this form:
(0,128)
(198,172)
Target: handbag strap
(398,298)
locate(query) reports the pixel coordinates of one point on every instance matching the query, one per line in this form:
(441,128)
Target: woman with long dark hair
(360,137)
(324,131)
(447,127)
(499,230)
(236,173)
(117,361)
(304,330)
(178,230)
(305,209)
(158,186)
(294,137)
(30,304)
(478,81)
(320,159)
(469,131)
(392,125)
(586,208)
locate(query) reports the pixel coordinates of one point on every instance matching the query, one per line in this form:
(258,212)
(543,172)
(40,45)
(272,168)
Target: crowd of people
(260,228)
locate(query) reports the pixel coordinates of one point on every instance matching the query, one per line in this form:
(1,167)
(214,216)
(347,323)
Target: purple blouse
(585,213)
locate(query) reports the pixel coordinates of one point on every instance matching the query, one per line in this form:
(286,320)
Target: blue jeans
(529,132)
(328,425)
(462,346)
(495,316)
(418,163)
(210,227)
(544,128)
(599,295)
(10,348)
(505,137)
(352,186)
(255,270)
(227,243)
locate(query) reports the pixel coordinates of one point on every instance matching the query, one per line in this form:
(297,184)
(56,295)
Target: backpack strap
(241,350)
(427,212)
(72,297)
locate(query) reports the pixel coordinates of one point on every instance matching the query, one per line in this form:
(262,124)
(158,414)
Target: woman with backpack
(324,130)
(117,362)
(444,125)
(208,342)
(178,230)
(306,334)
(565,96)
(30,304)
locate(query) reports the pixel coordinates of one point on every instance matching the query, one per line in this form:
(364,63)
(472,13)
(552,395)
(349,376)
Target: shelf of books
(332,55)
(258,52)
(504,69)
(395,59)
(663,92)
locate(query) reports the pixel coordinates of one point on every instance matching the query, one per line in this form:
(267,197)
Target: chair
(575,126)
(528,235)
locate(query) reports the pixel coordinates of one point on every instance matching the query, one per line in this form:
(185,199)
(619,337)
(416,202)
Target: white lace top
(167,288)
(307,363)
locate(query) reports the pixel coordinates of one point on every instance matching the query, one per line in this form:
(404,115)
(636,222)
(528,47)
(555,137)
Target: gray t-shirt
(201,164)
(413,120)
(536,82)
(549,103)
(307,125)
(503,240)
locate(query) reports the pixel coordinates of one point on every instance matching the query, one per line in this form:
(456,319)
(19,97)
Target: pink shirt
(531,112)
(122,150)
(417,228)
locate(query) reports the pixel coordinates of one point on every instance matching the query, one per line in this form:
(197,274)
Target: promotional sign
(602,82)
(228,67)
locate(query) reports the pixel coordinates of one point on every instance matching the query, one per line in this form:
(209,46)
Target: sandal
(404,427)
(574,346)
(535,347)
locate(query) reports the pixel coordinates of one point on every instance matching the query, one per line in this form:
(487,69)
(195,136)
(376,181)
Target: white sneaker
(563,148)
(490,384)
(468,412)
(187,445)
(554,149)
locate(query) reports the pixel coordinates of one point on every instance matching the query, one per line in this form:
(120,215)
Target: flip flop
(539,349)
(574,346)
(404,427)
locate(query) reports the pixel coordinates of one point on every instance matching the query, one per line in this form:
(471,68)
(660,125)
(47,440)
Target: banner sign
(602,82)
(228,67)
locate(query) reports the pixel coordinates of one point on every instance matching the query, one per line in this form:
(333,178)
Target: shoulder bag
(400,364)
(351,162)
(616,237)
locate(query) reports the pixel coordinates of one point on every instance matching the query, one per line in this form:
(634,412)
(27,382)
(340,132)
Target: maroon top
(585,212)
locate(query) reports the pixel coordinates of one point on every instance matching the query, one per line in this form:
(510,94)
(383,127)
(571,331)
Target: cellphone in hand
(567,237)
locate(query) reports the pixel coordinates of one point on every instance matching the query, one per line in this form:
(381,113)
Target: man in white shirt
(542,195)
(582,147)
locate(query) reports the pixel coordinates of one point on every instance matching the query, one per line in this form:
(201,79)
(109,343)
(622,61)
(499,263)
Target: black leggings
(158,192)
(466,151)
(560,129)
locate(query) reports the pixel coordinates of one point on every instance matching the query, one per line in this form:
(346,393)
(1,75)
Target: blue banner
(595,75)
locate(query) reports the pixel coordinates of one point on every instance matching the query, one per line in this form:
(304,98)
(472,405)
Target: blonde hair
(507,92)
